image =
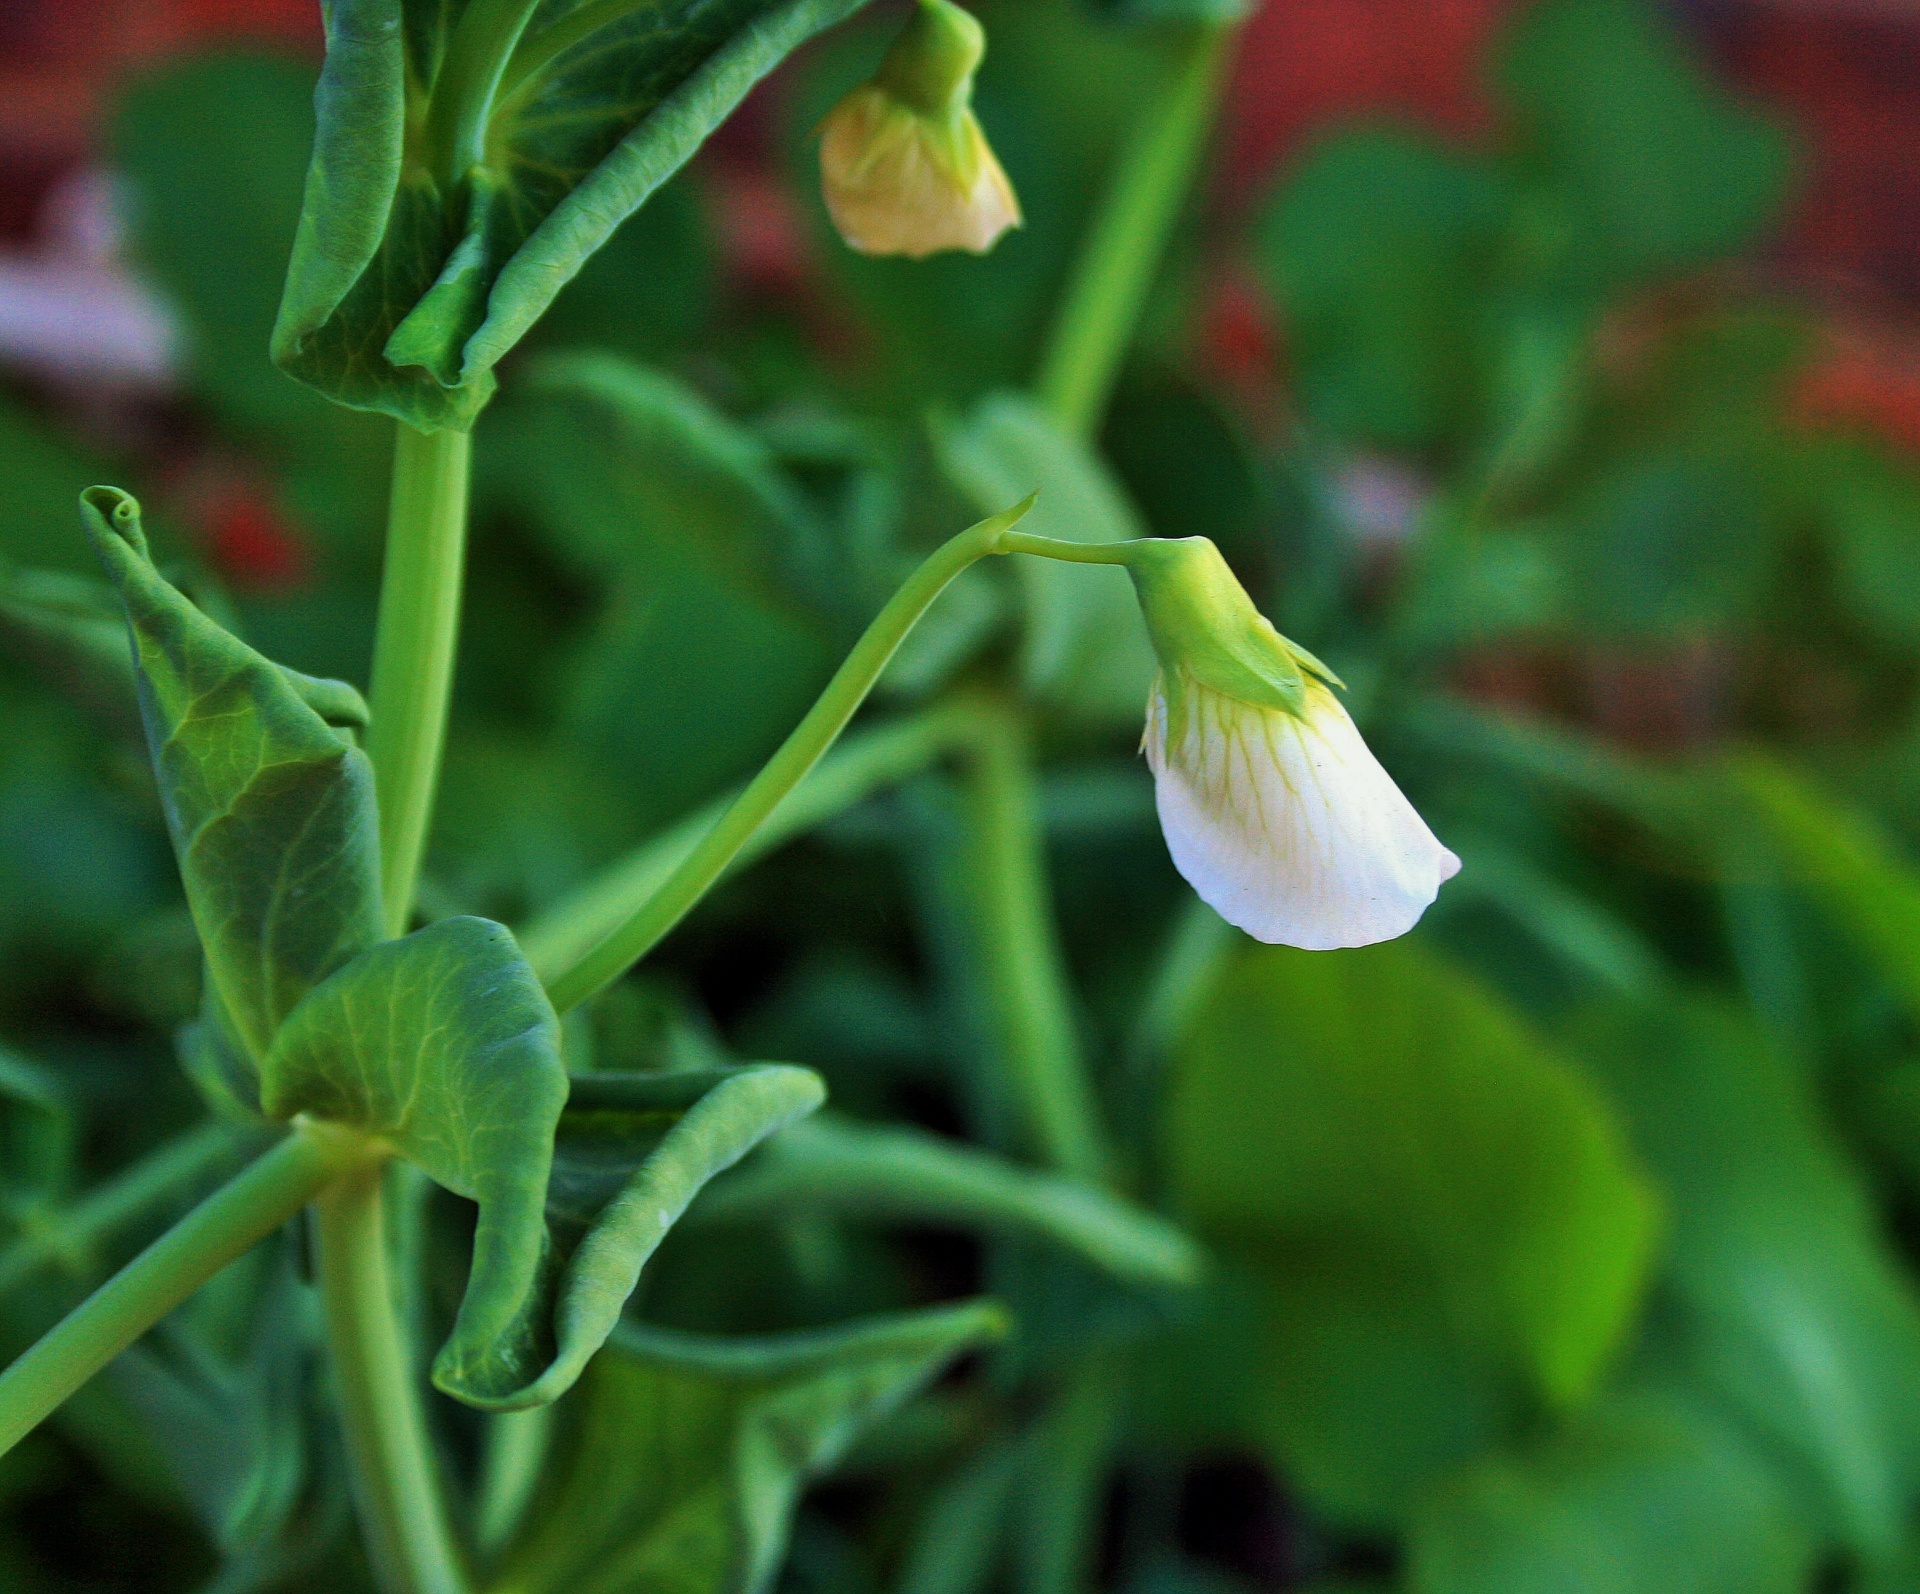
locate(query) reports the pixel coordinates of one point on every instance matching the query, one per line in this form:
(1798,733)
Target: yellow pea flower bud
(904,166)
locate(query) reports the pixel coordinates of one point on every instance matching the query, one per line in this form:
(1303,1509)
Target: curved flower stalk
(1274,809)
(904,166)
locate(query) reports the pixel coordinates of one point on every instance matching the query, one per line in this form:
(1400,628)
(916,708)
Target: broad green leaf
(685,1455)
(684,484)
(1666,545)
(1848,864)
(632,1152)
(1084,647)
(73,632)
(1640,1496)
(469,158)
(714,633)
(44,471)
(444,1044)
(1441,1214)
(212,147)
(1378,249)
(1870,501)
(268,797)
(236,1430)
(1790,1306)
(1660,169)
(858,1171)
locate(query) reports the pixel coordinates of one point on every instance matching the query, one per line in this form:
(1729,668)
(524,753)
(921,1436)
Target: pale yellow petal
(897,184)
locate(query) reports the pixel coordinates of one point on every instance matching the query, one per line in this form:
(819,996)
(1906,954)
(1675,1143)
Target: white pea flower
(904,166)
(1273,807)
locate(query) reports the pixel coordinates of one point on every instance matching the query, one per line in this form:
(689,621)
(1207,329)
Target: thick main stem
(413,651)
(229,1222)
(1038,1038)
(786,769)
(1129,237)
(391,1458)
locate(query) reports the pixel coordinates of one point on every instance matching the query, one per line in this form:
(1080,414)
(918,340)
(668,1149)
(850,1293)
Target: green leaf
(72,630)
(1084,648)
(1871,503)
(1848,864)
(1789,1305)
(716,630)
(685,1455)
(1666,545)
(1660,168)
(236,1431)
(677,481)
(1641,1496)
(633,1151)
(1150,11)
(1378,249)
(213,146)
(444,1045)
(37,1140)
(464,171)
(1440,1213)
(44,472)
(268,796)
(853,1170)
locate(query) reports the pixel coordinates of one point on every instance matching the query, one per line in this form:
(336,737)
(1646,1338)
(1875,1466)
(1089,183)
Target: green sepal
(930,65)
(1207,633)
(268,796)
(682,1469)
(415,270)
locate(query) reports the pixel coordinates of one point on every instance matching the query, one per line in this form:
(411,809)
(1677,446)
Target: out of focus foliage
(1570,1244)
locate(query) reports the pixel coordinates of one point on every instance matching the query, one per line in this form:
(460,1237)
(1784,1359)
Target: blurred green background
(1569,1244)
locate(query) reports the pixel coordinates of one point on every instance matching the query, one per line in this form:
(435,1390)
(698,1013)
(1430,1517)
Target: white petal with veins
(1288,827)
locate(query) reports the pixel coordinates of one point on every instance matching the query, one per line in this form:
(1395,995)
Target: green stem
(516,1450)
(413,649)
(226,1224)
(1027,978)
(1123,252)
(389,1454)
(856,768)
(1066,1471)
(1074,553)
(149,1182)
(848,689)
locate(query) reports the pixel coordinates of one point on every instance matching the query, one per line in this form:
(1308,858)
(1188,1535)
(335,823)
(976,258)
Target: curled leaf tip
(114,510)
